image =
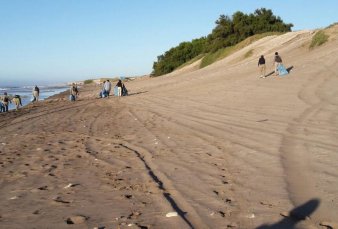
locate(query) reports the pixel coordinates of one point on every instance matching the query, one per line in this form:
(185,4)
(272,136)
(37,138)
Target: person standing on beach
(261,65)
(5,102)
(124,90)
(107,87)
(73,92)
(76,91)
(36,93)
(119,88)
(2,107)
(17,101)
(277,62)
(103,91)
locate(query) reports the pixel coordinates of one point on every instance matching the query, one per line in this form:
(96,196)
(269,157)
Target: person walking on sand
(36,93)
(277,62)
(261,66)
(119,88)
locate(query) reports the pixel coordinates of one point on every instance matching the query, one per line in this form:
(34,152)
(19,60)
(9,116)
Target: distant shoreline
(26,93)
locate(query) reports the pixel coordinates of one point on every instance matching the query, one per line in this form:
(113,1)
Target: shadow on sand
(137,93)
(296,215)
(289,69)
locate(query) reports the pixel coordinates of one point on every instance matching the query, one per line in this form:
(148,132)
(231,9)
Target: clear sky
(44,41)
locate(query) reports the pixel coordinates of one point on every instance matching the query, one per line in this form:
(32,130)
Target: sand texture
(211,148)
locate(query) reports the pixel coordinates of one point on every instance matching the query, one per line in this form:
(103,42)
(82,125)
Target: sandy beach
(211,148)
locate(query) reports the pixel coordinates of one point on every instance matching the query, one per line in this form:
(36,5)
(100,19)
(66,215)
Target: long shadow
(166,195)
(137,93)
(296,215)
(289,69)
(269,74)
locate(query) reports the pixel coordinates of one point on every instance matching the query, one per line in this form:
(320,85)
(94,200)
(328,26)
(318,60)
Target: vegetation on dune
(228,32)
(332,25)
(89,81)
(215,56)
(318,39)
(177,56)
(212,57)
(248,53)
(191,61)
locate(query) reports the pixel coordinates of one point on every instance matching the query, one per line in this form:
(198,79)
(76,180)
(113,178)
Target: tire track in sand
(299,156)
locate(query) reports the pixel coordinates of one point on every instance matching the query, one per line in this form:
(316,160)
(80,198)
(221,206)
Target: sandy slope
(219,146)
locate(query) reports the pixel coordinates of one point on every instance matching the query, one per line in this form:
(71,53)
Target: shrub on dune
(318,39)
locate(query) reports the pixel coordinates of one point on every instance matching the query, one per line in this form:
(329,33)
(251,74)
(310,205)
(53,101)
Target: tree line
(227,32)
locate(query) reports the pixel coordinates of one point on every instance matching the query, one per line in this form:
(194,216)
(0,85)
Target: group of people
(106,88)
(121,89)
(6,99)
(262,68)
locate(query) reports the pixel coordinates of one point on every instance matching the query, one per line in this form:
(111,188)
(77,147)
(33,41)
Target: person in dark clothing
(119,88)
(6,100)
(124,90)
(36,93)
(261,65)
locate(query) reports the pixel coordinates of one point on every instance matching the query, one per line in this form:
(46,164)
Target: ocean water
(26,94)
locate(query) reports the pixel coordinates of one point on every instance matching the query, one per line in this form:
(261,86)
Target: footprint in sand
(60,200)
(43,188)
(141,226)
(77,219)
(36,212)
(223,196)
(134,215)
(128,196)
(222,213)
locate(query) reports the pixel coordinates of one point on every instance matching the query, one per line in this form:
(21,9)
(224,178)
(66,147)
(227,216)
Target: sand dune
(219,146)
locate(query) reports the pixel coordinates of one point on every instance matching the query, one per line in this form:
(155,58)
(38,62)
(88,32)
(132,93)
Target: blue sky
(49,41)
